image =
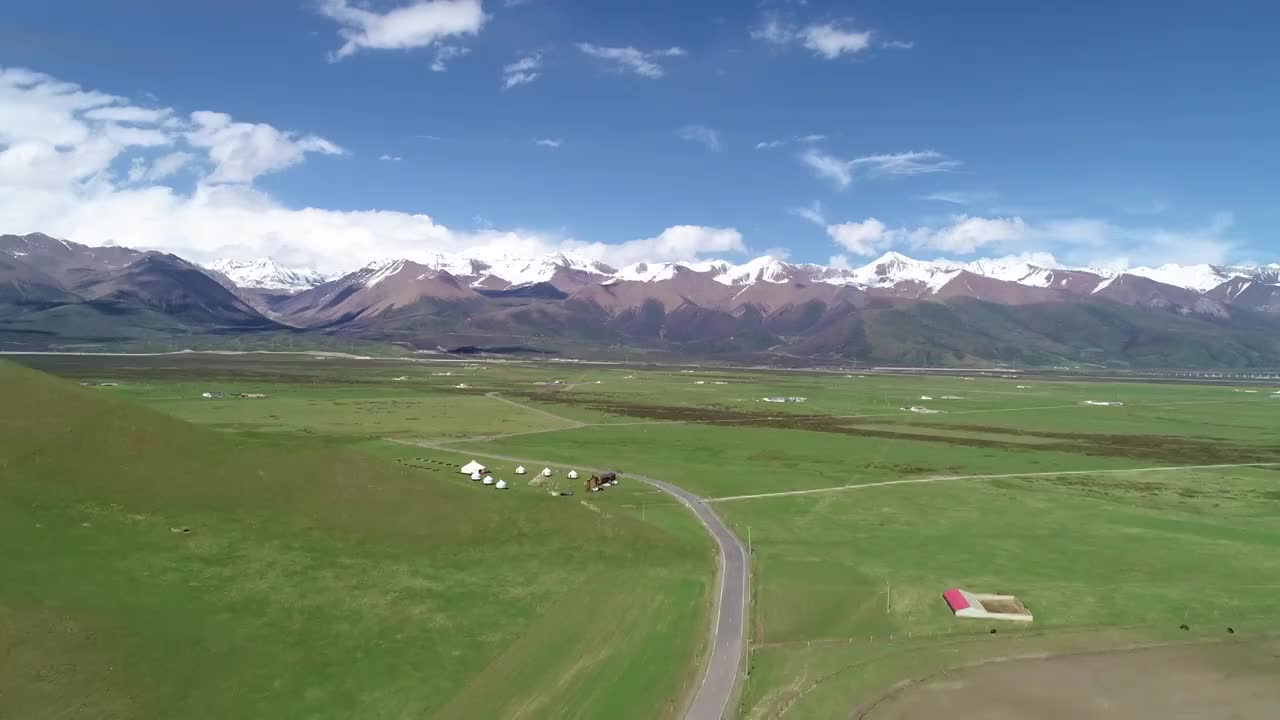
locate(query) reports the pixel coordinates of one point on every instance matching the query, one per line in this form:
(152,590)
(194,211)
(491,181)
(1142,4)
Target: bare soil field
(1239,680)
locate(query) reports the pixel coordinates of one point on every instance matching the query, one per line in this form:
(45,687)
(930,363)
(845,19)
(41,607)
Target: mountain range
(895,309)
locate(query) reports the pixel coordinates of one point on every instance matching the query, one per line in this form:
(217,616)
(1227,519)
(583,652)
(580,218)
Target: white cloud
(522,71)
(898,44)
(548,142)
(831,42)
(65,187)
(961,197)
(827,40)
(802,139)
(163,167)
(641,62)
(242,151)
(842,172)
(906,163)
(418,24)
(390,158)
(863,238)
(56,134)
(828,166)
(445,54)
(680,242)
(813,213)
(129,114)
(967,234)
(1081,241)
(700,134)
(774,30)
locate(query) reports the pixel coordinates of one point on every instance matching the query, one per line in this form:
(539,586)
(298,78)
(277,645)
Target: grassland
(171,570)
(1106,548)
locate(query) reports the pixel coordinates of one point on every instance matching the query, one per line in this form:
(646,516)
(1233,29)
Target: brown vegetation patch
(1169,449)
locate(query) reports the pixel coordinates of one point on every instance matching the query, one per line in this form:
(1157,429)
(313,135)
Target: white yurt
(501,485)
(573,474)
(472,468)
(520,470)
(546,472)
(475,475)
(488,479)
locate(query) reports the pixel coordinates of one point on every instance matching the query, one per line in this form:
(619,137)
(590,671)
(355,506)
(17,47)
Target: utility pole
(887,596)
(748,541)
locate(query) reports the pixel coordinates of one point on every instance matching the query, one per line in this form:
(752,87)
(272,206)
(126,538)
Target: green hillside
(169,570)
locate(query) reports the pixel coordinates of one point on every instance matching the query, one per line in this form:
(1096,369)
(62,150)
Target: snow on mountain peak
(484,266)
(267,274)
(1201,278)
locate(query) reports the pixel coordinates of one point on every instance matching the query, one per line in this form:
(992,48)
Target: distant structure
(520,470)
(546,472)
(488,479)
(982,606)
(501,485)
(472,468)
(596,483)
(573,475)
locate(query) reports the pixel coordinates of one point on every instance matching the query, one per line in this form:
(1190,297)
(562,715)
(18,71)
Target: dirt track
(1236,680)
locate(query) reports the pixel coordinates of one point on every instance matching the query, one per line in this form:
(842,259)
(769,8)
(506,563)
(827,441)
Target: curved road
(728,630)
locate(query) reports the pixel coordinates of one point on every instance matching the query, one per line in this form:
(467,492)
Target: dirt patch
(1218,680)
(1011,606)
(1164,449)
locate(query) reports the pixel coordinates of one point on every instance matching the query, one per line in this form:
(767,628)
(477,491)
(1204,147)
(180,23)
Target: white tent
(502,485)
(488,479)
(573,474)
(520,470)
(471,468)
(546,472)
(475,475)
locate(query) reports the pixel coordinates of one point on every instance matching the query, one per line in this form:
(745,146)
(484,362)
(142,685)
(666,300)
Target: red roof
(955,600)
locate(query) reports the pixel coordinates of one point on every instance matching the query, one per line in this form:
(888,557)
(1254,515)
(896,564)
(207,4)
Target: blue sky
(1135,132)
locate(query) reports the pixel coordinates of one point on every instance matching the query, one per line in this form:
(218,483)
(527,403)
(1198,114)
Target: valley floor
(1150,522)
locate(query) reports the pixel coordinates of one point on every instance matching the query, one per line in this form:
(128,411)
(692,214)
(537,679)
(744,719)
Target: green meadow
(376,581)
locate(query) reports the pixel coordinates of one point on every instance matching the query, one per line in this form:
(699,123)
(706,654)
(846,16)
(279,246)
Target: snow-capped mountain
(892,273)
(267,274)
(1203,278)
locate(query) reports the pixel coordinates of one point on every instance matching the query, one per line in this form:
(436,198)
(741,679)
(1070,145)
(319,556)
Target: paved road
(728,630)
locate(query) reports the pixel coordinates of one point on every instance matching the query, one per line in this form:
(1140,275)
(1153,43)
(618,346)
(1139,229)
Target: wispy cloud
(804,139)
(446,53)
(417,24)
(427,137)
(640,62)
(548,142)
(898,44)
(700,134)
(961,197)
(522,71)
(826,40)
(842,172)
(917,162)
(390,158)
(831,41)
(828,166)
(1083,241)
(812,212)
